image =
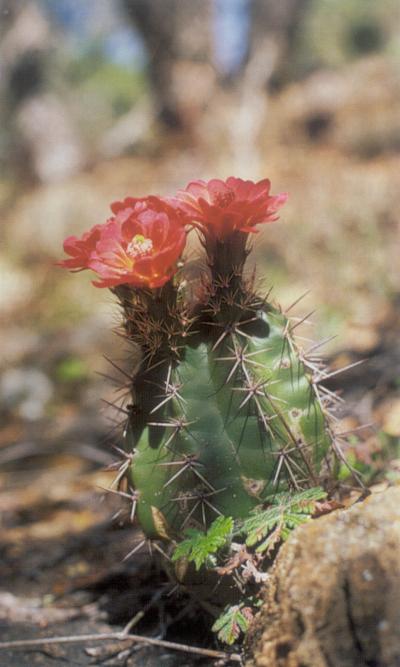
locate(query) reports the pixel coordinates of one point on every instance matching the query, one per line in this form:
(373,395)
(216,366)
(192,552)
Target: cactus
(226,409)
(227,420)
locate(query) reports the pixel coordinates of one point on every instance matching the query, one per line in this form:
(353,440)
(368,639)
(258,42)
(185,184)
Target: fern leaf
(232,622)
(200,547)
(287,511)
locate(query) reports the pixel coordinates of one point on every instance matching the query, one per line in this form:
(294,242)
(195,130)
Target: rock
(333,598)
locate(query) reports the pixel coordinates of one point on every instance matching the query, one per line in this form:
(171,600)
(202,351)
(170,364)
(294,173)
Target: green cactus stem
(227,412)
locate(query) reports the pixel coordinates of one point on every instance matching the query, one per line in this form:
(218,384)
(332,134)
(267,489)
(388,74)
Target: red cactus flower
(220,208)
(139,246)
(80,249)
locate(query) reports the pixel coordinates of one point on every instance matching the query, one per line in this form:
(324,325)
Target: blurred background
(103,99)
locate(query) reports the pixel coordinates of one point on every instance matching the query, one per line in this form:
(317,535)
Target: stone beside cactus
(226,410)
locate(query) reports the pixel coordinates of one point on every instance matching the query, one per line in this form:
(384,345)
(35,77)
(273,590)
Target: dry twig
(120,636)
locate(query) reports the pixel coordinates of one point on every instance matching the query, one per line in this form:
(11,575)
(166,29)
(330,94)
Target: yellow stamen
(140,246)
